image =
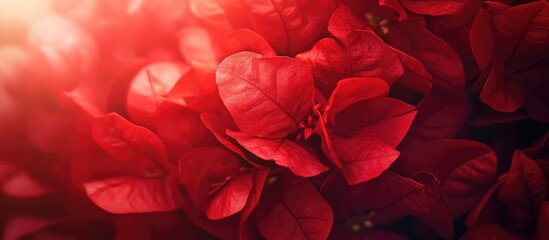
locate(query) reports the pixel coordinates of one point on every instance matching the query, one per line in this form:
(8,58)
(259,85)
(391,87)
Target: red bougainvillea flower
(290,208)
(521,192)
(360,53)
(274,119)
(142,180)
(260,93)
(510,45)
(220,183)
(363,145)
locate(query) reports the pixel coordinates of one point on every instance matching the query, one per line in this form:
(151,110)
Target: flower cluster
(286,119)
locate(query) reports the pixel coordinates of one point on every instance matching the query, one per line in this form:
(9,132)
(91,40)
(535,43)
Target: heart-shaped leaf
(266,96)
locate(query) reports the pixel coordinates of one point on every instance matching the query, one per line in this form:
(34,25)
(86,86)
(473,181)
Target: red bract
(344,21)
(289,26)
(208,47)
(218,125)
(351,90)
(465,170)
(361,54)
(179,128)
(146,186)
(221,185)
(291,208)
(150,87)
(283,152)
(274,119)
(126,141)
(133,195)
(436,55)
(261,93)
(357,211)
(361,143)
(521,191)
(196,89)
(510,43)
(435,8)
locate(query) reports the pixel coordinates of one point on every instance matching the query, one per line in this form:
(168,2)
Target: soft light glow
(22,10)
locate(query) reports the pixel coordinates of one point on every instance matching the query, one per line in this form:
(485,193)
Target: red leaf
(524,179)
(149,88)
(231,198)
(89,163)
(283,152)
(482,39)
(526,19)
(362,158)
(465,169)
(196,89)
(179,128)
(133,195)
(523,190)
(439,116)
(291,26)
(259,178)
(509,45)
(433,7)
(395,197)
(343,22)
(125,140)
(499,94)
(385,118)
(532,85)
(537,30)
(330,63)
(267,97)
(416,77)
(439,217)
(218,125)
(293,209)
(397,6)
(360,140)
(352,90)
(474,214)
(439,58)
(362,54)
(243,40)
(209,47)
(216,180)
